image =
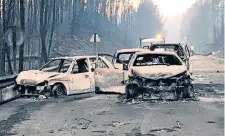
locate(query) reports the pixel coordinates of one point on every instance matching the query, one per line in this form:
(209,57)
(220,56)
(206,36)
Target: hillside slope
(74,38)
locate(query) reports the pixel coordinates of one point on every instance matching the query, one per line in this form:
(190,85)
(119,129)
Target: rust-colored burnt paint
(107,79)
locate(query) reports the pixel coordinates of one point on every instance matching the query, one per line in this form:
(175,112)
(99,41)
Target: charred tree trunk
(22,22)
(2,45)
(43,18)
(6,48)
(74,16)
(61,11)
(30,30)
(53,28)
(35,15)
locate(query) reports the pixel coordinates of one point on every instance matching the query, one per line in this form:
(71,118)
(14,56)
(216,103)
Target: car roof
(168,44)
(156,52)
(75,57)
(131,50)
(152,40)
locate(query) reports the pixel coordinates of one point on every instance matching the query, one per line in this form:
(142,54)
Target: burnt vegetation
(64,27)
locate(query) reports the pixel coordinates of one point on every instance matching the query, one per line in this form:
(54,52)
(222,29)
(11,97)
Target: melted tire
(189,92)
(131,91)
(58,90)
(97,90)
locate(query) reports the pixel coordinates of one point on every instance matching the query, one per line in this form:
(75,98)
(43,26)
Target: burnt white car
(156,72)
(123,56)
(62,76)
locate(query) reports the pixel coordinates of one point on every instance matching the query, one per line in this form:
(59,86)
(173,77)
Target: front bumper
(163,88)
(32,89)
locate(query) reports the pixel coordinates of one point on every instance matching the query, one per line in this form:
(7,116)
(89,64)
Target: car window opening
(124,57)
(82,65)
(156,59)
(101,63)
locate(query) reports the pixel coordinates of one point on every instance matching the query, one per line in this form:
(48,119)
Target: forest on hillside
(63,27)
(203,25)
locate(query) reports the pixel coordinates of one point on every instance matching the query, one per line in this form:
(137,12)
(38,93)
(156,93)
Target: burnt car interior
(80,67)
(156,59)
(100,64)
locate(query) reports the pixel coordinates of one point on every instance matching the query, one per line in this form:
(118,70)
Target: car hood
(33,77)
(159,71)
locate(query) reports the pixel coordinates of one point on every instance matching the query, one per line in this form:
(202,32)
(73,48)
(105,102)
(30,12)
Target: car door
(80,80)
(107,78)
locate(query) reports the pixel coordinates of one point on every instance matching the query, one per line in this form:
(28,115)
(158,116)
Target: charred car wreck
(158,74)
(61,76)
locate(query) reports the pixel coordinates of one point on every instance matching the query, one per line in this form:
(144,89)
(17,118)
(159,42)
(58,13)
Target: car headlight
(44,83)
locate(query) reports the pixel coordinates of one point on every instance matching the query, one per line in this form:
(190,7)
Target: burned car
(61,76)
(124,56)
(158,73)
(182,51)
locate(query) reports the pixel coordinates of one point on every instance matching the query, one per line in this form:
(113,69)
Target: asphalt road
(107,115)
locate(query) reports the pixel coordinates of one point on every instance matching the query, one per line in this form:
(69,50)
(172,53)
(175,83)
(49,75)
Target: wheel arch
(64,86)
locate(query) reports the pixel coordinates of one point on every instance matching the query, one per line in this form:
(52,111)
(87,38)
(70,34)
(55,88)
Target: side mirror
(125,67)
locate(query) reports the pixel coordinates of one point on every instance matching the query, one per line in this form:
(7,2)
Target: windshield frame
(131,64)
(59,66)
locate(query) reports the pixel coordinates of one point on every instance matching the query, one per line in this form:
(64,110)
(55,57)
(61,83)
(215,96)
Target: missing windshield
(156,59)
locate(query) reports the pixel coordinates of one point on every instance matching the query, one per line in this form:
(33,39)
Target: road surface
(107,115)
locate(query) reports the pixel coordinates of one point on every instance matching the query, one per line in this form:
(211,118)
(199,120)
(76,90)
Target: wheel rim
(59,91)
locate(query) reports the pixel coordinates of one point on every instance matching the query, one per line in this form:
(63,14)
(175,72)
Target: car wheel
(58,90)
(131,91)
(189,92)
(97,90)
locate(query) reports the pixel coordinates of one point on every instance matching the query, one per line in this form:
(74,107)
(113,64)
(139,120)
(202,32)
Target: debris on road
(104,113)
(83,122)
(178,125)
(51,131)
(137,132)
(99,131)
(162,130)
(210,122)
(116,124)
(60,129)
(42,97)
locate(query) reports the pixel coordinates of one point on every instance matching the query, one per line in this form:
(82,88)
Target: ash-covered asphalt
(106,115)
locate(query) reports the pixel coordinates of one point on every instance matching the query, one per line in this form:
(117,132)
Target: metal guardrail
(7,81)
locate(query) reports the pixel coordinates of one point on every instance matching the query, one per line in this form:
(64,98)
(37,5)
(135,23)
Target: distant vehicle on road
(182,51)
(146,43)
(124,56)
(157,73)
